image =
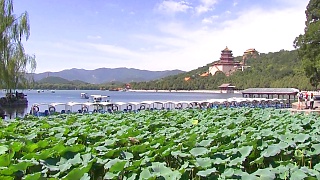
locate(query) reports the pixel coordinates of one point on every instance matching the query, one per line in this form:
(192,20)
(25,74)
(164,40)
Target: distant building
(226,88)
(226,64)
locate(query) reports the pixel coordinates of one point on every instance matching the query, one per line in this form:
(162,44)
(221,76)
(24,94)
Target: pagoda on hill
(226,64)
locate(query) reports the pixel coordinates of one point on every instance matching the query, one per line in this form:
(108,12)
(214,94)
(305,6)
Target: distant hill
(105,75)
(59,80)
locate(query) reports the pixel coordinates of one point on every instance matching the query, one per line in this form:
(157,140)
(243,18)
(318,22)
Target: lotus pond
(239,143)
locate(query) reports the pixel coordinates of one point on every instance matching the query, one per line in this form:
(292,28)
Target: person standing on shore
(306,96)
(300,99)
(311,101)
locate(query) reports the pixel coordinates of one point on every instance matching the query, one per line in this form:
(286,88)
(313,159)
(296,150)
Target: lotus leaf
(206,172)
(245,150)
(77,173)
(3,149)
(145,174)
(205,143)
(301,137)
(32,176)
(229,172)
(203,162)
(199,151)
(298,175)
(110,175)
(272,150)
(265,174)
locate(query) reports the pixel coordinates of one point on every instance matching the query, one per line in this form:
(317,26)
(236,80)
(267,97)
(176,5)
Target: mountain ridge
(104,75)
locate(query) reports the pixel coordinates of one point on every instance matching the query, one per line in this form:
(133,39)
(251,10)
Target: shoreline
(184,91)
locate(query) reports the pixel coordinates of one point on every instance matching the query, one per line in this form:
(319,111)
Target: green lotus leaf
(85,177)
(109,142)
(115,165)
(110,175)
(312,172)
(316,149)
(32,176)
(31,136)
(298,175)
(301,137)
(246,176)
(245,150)
(205,143)
(236,161)
(265,174)
(198,151)
(206,172)
(75,148)
(203,162)
(71,141)
(317,167)
(7,171)
(272,150)
(132,177)
(77,173)
(5,159)
(16,146)
(86,158)
(160,168)
(218,161)
(228,172)
(6,178)
(145,174)
(75,160)
(44,154)
(3,149)
(283,145)
(31,147)
(174,175)
(64,167)
(128,155)
(59,148)
(179,153)
(184,166)
(21,166)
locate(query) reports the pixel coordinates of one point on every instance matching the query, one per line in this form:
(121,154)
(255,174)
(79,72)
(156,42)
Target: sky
(155,34)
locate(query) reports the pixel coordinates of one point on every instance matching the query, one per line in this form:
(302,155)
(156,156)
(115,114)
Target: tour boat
(84,96)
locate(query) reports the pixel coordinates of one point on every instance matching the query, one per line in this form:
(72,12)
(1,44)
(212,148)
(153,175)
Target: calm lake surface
(64,96)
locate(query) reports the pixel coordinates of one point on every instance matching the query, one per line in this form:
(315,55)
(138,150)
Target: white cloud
(185,48)
(235,3)
(93,37)
(209,20)
(205,6)
(170,6)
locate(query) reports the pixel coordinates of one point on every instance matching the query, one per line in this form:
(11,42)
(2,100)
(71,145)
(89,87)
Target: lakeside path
(183,91)
(295,108)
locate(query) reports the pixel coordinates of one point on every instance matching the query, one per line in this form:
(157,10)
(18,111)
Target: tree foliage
(308,44)
(14,62)
(278,69)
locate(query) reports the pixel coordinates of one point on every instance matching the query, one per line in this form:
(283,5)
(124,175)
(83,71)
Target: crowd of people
(305,100)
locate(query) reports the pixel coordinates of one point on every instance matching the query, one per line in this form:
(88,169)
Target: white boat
(84,96)
(53,91)
(100,98)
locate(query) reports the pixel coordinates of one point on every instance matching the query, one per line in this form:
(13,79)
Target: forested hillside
(278,69)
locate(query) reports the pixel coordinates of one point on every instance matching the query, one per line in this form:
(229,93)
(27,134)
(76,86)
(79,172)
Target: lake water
(64,96)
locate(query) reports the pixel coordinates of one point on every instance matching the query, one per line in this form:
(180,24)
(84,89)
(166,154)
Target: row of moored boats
(101,104)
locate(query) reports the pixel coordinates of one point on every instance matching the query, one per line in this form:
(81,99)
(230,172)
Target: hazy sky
(155,34)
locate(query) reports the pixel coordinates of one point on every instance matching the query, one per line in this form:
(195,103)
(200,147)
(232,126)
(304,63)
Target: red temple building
(226,64)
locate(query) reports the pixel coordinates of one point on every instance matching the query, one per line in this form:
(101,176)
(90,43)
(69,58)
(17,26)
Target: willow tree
(15,64)
(308,44)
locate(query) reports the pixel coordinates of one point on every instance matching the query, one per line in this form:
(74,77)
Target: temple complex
(226,64)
